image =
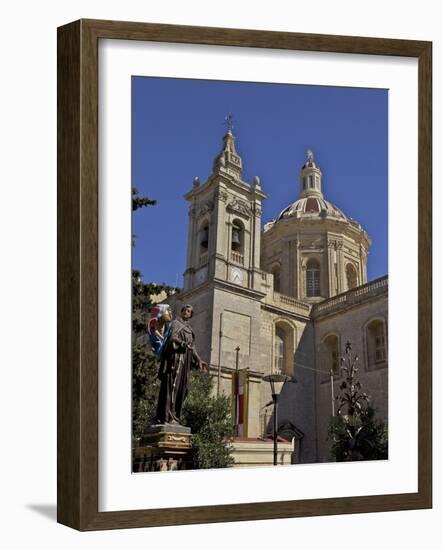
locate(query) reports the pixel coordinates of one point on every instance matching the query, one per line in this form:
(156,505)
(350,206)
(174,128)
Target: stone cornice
(224,285)
(225,181)
(285,312)
(284,228)
(236,289)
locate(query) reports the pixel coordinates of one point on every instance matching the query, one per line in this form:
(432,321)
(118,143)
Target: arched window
(312,278)
(376,343)
(203,242)
(237,241)
(276,273)
(351,276)
(331,354)
(279,350)
(204,238)
(284,337)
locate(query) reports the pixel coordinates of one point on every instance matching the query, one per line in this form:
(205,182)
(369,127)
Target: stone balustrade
(203,259)
(289,300)
(288,303)
(353,296)
(237,257)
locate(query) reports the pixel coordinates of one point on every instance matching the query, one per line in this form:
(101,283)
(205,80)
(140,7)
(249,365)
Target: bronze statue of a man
(178,357)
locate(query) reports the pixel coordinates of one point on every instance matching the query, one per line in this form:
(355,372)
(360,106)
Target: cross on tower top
(229,122)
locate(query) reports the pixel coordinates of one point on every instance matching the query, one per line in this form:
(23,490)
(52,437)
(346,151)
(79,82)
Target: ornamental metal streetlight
(277,382)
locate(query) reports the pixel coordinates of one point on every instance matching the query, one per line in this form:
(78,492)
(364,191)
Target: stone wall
(246,321)
(349,323)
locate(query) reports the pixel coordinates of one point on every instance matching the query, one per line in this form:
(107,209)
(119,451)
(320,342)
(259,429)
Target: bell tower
(223,279)
(224,223)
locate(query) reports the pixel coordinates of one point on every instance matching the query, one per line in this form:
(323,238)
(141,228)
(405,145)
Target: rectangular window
(380,355)
(376,344)
(313,282)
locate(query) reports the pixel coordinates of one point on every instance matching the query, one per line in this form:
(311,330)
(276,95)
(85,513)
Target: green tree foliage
(140,202)
(144,365)
(355,432)
(209,418)
(145,384)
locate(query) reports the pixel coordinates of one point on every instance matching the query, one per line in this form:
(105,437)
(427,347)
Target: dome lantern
(310,177)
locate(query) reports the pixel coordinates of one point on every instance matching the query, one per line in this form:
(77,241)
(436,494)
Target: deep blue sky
(177,131)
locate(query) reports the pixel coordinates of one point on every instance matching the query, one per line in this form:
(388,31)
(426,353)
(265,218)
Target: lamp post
(277,382)
(237,351)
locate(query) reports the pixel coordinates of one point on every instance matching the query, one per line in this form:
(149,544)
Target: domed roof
(312,207)
(309,164)
(311,204)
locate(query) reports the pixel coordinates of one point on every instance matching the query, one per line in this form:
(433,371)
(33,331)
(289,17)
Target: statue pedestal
(163,447)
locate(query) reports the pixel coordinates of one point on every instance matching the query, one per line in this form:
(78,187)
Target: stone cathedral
(285,298)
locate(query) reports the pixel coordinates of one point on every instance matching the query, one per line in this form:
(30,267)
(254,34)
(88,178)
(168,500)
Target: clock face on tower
(236,275)
(201,275)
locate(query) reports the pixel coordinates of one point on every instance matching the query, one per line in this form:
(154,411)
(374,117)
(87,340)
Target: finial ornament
(229,122)
(310,155)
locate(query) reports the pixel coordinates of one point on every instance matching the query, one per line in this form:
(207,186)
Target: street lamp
(277,382)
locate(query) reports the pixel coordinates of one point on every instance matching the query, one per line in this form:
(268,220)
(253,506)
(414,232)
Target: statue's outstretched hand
(202,366)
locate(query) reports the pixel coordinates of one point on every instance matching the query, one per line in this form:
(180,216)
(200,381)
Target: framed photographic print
(233,207)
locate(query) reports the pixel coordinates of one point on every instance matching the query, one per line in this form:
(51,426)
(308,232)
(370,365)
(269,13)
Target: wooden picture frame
(78,274)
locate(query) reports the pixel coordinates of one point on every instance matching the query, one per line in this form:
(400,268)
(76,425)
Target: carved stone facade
(289,297)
